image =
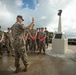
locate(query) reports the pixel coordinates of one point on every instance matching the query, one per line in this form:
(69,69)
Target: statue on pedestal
(59,12)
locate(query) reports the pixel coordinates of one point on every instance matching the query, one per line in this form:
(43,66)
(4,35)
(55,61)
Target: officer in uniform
(1,39)
(33,34)
(42,37)
(19,43)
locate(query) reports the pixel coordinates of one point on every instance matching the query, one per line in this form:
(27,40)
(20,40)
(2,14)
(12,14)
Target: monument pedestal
(59,46)
(59,41)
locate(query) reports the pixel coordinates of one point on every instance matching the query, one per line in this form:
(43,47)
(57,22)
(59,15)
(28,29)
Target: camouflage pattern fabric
(42,43)
(1,32)
(9,43)
(19,44)
(47,37)
(32,42)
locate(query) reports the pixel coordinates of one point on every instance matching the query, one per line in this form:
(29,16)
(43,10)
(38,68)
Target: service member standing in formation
(9,42)
(47,37)
(42,37)
(28,41)
(26,38)
(33,34)
(19,43)
(37,39)
(1,40)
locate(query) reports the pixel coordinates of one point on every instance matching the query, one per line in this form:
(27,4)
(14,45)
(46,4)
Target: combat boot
(26,68)
(18,69)
(13,55)
(44,53)
(0,56)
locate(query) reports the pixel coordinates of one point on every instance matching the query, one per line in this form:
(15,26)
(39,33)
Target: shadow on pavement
(5,72)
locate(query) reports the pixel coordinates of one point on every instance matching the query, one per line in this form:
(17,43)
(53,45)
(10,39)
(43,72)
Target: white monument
(59,41)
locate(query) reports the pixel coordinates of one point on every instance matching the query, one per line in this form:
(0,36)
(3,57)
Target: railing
(72,41)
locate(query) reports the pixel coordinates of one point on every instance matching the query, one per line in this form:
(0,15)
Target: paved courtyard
(40,64)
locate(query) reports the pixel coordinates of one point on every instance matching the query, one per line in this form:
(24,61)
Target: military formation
(20,40)
(32,39)
(36,40)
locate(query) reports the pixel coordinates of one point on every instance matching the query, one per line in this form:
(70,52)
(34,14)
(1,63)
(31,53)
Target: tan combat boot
(0,56)
(18,69)
(26,68)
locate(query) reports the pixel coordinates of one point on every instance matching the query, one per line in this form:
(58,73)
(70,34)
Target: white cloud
(4,12)
(45,14)
(69,19)
(5,16)
(43,17)
(19,3)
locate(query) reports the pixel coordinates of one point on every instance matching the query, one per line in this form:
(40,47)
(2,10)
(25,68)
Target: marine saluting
(19,43)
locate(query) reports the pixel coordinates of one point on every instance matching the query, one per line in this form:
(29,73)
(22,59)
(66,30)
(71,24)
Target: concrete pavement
(39,65)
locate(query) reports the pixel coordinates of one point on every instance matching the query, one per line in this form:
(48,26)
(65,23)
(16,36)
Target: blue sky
(29,3)
(44,12)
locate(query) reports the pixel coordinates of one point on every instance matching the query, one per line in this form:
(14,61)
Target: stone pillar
(59,23)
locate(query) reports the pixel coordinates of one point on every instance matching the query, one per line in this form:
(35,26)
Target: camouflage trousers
(42,46)
(37,43)
(9,45)
(32,45)
(27,44)
(46,41)
(0,48)
(20,52)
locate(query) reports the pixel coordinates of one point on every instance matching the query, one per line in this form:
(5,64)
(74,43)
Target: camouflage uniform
(47,37)
(9,43)
(19,44)
(42,41)
(32,41)
(1,32)
(28,43)
(37,39)
(27,40)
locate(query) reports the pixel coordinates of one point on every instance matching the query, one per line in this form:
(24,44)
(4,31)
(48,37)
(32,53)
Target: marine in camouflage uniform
(19,43)
(37,39)
(27,40)
(47,37)
(28,43)
(9,42)
(33,34)
(42,40)
(1,39)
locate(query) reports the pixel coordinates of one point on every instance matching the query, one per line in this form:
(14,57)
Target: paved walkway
(40,64)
